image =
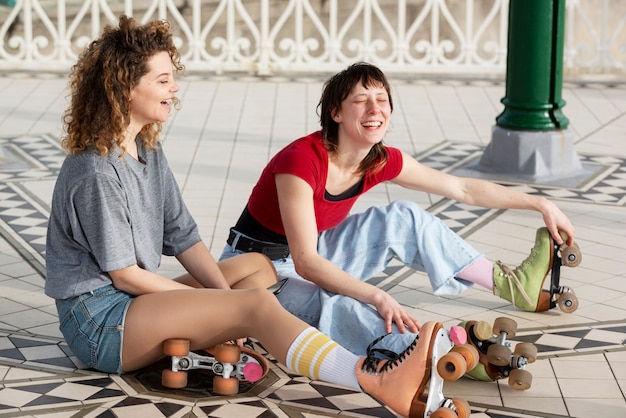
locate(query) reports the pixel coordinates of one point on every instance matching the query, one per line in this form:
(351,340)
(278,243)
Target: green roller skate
(523,286)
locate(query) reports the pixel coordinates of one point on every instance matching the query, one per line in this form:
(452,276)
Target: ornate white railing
(314,36)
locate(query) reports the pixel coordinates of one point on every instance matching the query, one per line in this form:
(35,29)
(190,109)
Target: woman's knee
(267,271)
(263,302)
(250,270)
(404,206)
(406,209)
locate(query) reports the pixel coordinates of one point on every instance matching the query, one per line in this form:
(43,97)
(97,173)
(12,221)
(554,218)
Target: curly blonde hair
(102,80)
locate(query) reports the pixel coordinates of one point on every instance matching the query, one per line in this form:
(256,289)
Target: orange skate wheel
(571,255)
(227,353)
(444,412)
(470,353)
(499,355)
(173,380)
(176,347)
(452,366)
(225,386)
(567,301)
(527,350)
(482,330)
(463,409)
(503,324)
(520,379)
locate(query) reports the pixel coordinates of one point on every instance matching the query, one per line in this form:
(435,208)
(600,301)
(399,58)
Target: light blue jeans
(362,245)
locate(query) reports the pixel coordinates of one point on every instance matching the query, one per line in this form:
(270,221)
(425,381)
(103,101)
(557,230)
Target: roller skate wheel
(520,379)
(452,366)
(507,325)
(470,353)
(482,330)
(567,301)
(176,347)
(225,386)
(571,256)
(173,380)
(444,412)
(227,353)
(463,409)
(458,335)
(498,355)
(526,350)
(252,372)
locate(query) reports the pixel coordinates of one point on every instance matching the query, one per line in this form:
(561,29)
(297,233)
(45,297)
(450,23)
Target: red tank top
(307,158)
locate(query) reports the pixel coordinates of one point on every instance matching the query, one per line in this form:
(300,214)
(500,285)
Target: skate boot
(494,352)
(523,286)
(410,383)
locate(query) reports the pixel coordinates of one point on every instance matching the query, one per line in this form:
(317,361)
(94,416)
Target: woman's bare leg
(210,316)
(206,317)
(245,271)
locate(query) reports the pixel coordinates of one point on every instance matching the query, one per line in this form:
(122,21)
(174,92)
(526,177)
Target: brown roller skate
(228,362)
(496,361)
(411,383)
(523,286)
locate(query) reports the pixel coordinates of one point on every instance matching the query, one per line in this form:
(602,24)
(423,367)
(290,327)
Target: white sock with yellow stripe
(315,355)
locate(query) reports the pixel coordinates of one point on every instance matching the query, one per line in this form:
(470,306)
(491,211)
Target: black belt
(249,245)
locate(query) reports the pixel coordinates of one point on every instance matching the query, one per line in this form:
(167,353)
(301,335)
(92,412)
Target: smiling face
(364,115)
(151,98)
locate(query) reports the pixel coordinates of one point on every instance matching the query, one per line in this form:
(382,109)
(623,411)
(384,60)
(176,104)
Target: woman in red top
(298,215)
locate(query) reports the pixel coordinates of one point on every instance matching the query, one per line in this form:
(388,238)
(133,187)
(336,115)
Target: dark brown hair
(335,91)
(101,82)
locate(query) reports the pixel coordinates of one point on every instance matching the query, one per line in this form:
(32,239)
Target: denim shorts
(93,326)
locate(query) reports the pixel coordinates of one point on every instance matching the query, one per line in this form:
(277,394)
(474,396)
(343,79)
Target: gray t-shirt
(110,213)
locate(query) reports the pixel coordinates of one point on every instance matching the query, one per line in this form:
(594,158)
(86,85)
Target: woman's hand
(556,221)
(392,312)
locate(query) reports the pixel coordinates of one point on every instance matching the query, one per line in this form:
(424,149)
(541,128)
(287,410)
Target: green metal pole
(534,75)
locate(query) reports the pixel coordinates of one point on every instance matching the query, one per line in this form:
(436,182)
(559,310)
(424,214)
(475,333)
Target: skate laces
(372,362)
(512,279)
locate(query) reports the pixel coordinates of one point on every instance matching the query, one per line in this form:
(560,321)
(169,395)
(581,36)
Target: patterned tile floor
(581,369)
(55,382)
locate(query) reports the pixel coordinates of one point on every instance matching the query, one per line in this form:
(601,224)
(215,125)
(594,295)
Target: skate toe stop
(458,335)
(252,372)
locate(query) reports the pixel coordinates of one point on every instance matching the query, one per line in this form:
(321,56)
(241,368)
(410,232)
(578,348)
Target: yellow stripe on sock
(321,357)
(310,354)
(301,347)
(308,351)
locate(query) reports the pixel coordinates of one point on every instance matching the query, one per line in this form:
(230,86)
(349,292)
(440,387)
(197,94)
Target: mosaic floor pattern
(40,375)
(57,381)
